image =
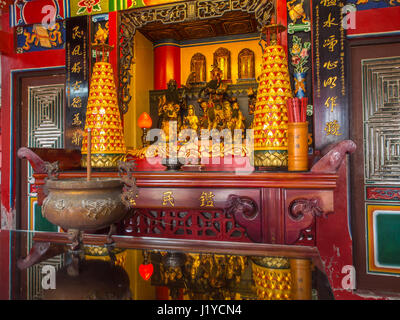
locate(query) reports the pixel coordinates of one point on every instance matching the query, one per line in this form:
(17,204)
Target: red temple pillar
(281,13)
(167,63)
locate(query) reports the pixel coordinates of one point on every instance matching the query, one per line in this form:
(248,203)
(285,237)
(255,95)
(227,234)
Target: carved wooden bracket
(303,213)
(301,207)
(246,214)
(38,165)
(333,157)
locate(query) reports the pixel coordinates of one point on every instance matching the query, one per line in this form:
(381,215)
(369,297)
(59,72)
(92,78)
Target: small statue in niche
(212,86)
(238,115)
(219,120)
(208,118)
(252,100)
(169,108)
(191,121)
(191,80)
(169,112)
(233,117)
(101,35)
(230,122)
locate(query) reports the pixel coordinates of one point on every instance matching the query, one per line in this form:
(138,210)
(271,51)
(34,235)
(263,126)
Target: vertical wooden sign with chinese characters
(331,112)
(77,83)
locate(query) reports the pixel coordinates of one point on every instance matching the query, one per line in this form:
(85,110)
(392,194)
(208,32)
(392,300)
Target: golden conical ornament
(270,114)
(104,119)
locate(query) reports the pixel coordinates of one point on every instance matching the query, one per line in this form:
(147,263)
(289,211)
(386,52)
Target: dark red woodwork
(185,224)
(39,252)
(5,255)
(272,207)
(333,156)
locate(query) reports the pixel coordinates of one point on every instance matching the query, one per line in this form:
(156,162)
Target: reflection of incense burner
(78,204)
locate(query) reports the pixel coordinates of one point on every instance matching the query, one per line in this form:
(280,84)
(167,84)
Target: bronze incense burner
(84,205)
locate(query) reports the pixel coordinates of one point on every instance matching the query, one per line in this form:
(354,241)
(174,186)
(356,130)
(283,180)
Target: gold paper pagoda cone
(104,119)
(270,114)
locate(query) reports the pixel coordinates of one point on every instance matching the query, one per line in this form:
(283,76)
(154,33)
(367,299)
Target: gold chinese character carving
(207,199)
(77,138)
(332,128)
(76,33)
(76,68)
(330,22)
(331,82)
(77,51)
(76,121)
(168,198)
(77,85)
(330,65)
(330,102)
(76,102)
(328,3)
(331,42)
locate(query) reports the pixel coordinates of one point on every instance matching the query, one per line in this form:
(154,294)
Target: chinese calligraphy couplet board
(77,82)
(330,83)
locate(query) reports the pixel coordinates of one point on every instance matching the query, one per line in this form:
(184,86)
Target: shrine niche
(202,199)
(222,59)
(246,64)
(198,67)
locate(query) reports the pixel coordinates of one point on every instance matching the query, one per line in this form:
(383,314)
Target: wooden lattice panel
(381,105)
(46,116)
(185,224)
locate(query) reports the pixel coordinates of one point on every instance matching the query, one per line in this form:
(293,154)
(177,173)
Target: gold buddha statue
(238,116)
(191,121)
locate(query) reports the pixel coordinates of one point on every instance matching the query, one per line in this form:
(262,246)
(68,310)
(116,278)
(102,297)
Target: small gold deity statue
(238,116)
(101,34)
(230,121)
(169,109)
(191,121)
(219,118)
(168,112)
(208,117)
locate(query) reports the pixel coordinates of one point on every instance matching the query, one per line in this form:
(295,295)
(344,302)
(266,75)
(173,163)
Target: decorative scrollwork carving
(263,12)
(301,207)
(212,9)
(51,170)
(126,54)
(242,206)
(301,219)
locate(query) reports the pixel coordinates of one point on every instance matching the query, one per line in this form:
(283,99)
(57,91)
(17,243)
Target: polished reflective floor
(51,270)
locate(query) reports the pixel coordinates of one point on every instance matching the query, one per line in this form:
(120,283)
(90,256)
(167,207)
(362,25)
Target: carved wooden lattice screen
(185,224)
(45,130)
(381,111)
